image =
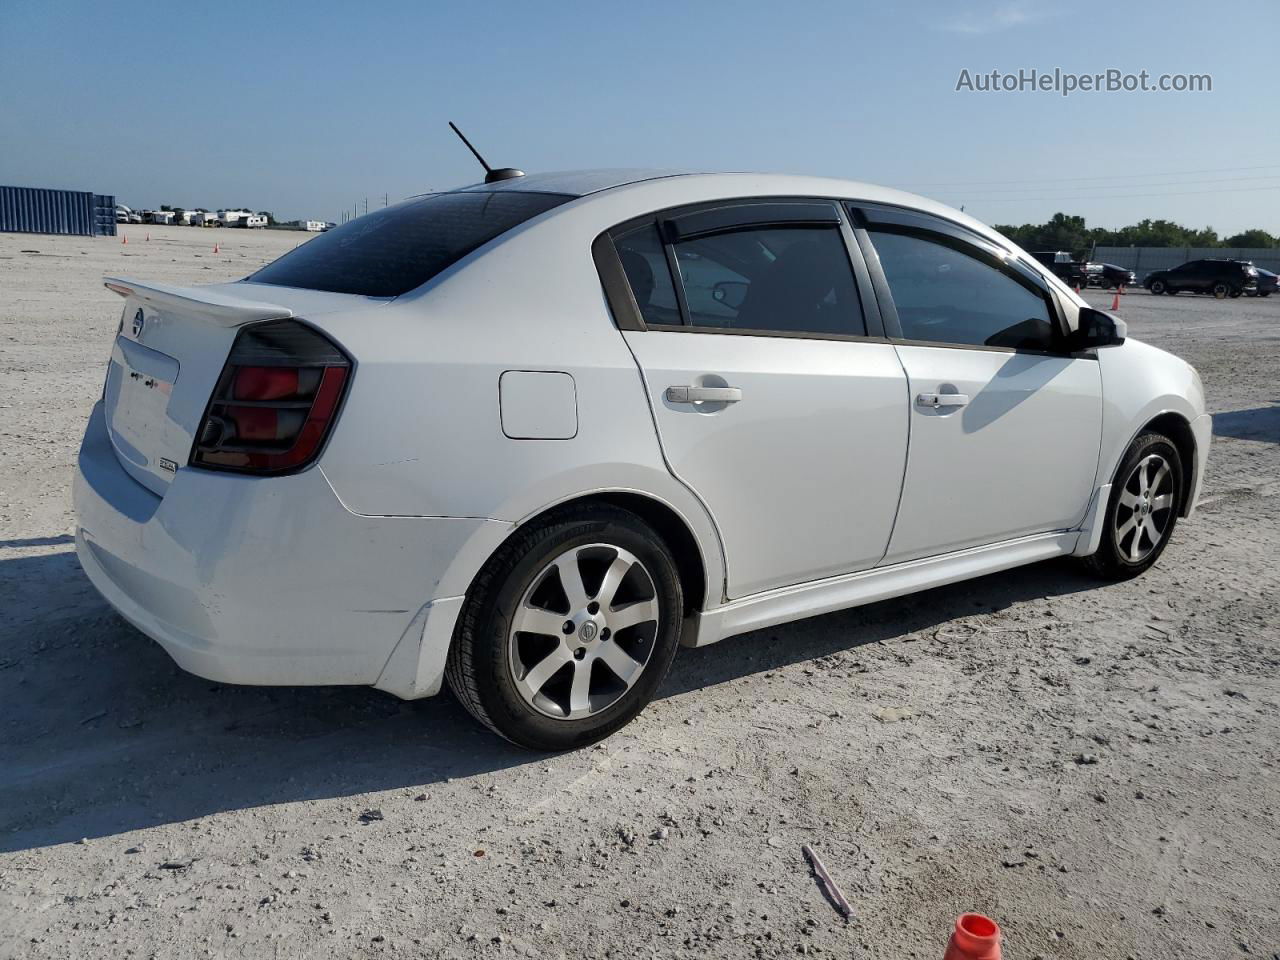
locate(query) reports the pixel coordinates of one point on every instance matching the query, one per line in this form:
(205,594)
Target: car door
(771,402)
(1199,276)
(1005,422)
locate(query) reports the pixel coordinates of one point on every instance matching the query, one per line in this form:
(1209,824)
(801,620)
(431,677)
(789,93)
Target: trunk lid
(165,362)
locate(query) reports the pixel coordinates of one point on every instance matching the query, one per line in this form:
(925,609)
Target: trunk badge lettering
(169,465)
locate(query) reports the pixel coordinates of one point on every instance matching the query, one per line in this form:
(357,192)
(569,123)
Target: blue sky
(304,108)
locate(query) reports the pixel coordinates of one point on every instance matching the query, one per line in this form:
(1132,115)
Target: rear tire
(1158,287)
(1221,291)
(569,629)
(1146,499)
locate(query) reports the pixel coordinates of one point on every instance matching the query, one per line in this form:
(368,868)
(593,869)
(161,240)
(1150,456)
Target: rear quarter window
(392,251)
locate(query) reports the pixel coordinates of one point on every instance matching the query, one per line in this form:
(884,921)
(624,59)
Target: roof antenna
(490,175)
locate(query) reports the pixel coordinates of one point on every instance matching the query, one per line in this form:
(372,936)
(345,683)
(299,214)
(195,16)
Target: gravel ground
(1094,766)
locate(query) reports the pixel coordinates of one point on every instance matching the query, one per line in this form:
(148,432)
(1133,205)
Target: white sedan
(531,435)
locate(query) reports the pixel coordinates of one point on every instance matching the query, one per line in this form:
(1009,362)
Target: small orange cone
(124,238)
(975,938)
(215,248)
(1077,288)
(1115,301)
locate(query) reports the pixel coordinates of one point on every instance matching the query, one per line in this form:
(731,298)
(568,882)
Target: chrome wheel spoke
(544,670)
(1135,546)
(571,580)
(1161,472)
(642,611)
(580,691)
(1130,500)
(612,580)
(537,620)
(1162,502)
(624,667)
(1123,530)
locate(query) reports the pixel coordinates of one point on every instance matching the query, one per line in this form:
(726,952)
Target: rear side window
(392,251)
(781,279)
(945,296)
(645,264)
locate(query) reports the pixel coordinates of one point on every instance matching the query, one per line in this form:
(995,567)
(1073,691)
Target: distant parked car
(1267,282)
(1222,278)
(1110,276)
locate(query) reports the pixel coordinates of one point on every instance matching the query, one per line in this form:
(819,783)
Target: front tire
(1146,498)
(1158,287)
(569,629)
(1221,291)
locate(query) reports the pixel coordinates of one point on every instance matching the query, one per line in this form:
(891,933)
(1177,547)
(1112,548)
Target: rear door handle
(935,400)
(704,394)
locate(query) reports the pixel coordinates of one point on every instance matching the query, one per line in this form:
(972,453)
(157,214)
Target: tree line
(1064,232)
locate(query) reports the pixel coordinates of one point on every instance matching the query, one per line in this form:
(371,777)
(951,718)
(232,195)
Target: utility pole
(366,204)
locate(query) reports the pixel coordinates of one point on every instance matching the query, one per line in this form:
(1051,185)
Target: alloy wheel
(1145,508)
(583,632)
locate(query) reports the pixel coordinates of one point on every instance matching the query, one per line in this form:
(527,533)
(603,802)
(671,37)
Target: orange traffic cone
(124,238)
(975,938)
(215,248)
(1115,301)
(1077,288)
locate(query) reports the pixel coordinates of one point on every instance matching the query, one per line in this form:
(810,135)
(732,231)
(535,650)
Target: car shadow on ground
(1260,423)
(100,733)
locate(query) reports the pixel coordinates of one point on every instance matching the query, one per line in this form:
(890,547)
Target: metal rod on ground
(829,885)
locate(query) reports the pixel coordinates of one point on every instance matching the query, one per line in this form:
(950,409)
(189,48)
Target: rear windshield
(392,251)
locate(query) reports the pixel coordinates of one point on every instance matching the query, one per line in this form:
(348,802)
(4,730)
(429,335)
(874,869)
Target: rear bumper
(274,581)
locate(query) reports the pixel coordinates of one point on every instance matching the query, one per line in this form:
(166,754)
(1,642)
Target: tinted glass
(392,251)
(646,267)
(945,296)
(782,279)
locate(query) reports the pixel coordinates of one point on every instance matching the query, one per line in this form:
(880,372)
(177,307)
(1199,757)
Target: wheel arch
(667,522)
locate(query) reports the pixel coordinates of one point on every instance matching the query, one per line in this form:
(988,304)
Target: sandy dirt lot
(1095,766)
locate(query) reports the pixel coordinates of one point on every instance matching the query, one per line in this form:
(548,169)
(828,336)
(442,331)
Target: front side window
(391,251)
(945,296)
(795,280)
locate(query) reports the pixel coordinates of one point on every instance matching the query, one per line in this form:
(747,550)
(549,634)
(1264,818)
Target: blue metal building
(35,210)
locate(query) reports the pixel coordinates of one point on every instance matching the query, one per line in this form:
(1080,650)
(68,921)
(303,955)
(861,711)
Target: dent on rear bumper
(272,581)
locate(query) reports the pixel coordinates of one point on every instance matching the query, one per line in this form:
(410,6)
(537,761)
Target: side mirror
(1099,329)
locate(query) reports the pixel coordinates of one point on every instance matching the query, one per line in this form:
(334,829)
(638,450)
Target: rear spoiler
(224,310)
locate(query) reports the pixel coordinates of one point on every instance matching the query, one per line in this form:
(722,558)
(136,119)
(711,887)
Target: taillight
(275,401)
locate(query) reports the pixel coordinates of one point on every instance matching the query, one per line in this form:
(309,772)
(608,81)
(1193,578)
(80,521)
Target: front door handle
(935,400)
(704,394)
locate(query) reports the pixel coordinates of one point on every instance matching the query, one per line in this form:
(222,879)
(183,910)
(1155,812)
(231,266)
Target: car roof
(653,188)
(576,183)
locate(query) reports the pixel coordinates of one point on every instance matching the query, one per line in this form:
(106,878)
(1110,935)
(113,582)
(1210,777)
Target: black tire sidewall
(1111,554)
(487,647)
